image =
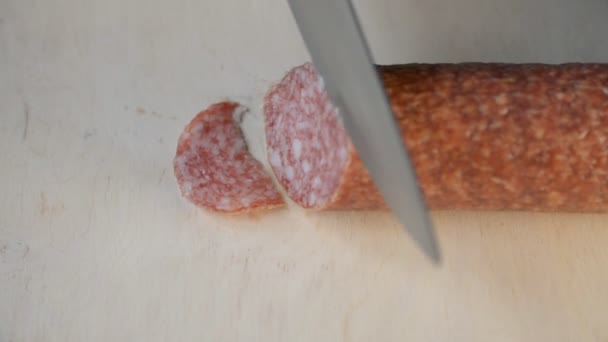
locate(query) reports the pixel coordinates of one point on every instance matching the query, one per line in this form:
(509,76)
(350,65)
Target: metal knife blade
(340,54)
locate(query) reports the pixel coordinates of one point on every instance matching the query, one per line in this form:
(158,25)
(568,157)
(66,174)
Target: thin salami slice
(481,136)
(214,168)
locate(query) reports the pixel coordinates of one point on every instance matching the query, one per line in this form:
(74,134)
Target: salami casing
(481,136)
(214,168)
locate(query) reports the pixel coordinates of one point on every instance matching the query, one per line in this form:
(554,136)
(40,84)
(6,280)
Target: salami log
(214,168)
(481,136)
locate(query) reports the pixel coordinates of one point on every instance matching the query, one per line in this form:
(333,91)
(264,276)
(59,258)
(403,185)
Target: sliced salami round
(214,168)
(481,136)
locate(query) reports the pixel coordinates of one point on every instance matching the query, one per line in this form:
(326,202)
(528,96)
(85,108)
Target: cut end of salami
(307,145)
(214,168)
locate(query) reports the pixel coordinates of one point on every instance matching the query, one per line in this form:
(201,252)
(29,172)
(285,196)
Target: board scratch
(162,175)
(26,120)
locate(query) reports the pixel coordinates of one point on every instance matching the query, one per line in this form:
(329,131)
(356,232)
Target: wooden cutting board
(96,243)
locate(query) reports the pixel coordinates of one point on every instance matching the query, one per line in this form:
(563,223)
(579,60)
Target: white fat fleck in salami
(213,166)
(289,173)
(297,148)
(306,166)
(275,159)
(307,144)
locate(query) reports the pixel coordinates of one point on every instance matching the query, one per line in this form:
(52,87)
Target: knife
(338,49)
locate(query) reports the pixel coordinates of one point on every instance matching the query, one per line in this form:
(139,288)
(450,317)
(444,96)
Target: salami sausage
(214,168)
(481,136)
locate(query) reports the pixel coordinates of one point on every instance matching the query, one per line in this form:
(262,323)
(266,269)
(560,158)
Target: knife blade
(335,41)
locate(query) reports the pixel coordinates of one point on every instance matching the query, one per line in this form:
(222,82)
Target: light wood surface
(96,243)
